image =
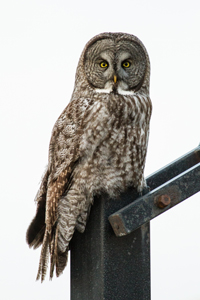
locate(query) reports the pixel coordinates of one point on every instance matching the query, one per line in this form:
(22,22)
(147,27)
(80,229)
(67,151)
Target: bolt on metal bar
(171,185)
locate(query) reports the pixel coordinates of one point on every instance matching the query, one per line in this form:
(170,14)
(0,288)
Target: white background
(40,44)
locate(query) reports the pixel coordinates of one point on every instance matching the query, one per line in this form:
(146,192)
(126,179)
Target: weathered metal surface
(104,267)
(179,180)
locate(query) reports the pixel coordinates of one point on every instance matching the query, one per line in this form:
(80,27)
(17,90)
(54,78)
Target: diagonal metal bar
(174,168)
(173,190)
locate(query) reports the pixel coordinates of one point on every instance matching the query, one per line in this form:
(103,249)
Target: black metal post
(104,267)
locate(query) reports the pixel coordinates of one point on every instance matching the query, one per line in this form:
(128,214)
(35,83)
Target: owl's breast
(114,147)
(113,121)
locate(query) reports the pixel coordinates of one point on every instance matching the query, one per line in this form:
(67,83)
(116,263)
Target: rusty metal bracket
(169,186)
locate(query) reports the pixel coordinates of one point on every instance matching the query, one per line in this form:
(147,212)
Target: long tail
(44,257)
(58,258)
(73,210)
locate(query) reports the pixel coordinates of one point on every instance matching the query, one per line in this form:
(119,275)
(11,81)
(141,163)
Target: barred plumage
(98,144)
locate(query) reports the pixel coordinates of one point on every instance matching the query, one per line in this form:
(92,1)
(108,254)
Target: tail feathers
(58,259)
(44,258)
(72,212)
(53,250)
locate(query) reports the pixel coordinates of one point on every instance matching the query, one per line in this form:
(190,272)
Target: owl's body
(98,143)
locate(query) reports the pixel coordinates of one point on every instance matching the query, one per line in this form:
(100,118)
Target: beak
(115,78)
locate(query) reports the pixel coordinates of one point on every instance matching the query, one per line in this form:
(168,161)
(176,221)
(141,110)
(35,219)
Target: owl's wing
(63,155)
(36,229)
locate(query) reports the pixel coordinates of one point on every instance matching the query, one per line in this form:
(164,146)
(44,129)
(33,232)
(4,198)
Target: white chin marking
(120,91)
(107,90)
(123,92)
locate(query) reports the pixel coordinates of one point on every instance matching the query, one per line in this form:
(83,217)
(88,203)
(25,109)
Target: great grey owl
(98,143)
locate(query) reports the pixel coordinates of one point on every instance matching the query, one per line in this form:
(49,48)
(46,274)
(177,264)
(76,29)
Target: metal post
(104,267)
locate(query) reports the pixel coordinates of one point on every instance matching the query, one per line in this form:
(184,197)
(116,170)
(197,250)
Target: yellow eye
(103,64)
(126,64)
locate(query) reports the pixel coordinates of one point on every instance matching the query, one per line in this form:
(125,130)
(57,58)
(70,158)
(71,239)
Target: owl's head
(116,63)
